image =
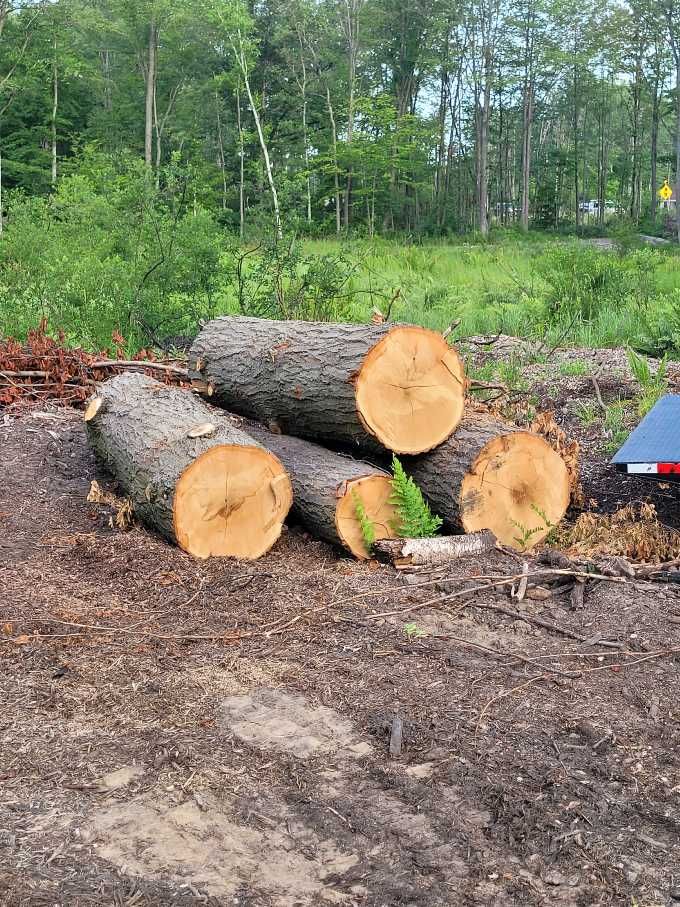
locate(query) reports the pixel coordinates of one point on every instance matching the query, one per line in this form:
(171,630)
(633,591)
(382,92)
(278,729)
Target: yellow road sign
(665,192)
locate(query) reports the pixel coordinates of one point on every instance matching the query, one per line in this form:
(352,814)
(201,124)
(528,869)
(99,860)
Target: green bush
(109,252)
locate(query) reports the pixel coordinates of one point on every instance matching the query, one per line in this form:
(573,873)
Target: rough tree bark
(326,487)
(490,476)
(398,386)
(190,473)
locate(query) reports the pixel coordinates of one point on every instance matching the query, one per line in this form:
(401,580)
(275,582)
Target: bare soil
(176,732)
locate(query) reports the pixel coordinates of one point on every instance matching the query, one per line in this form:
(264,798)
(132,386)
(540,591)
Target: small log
(398,387)
(490,476)
(216,495)
(432,552)
(326,487)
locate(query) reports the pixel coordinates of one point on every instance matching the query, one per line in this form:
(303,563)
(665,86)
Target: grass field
(550,288)
(93,283)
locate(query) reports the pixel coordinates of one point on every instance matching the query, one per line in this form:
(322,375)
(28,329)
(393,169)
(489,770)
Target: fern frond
(365,523)
(415,519)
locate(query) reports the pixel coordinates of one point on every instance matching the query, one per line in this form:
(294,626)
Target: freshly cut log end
(374,492)
(490,476)
(190,473)
(326,488)
(517,487)
(410,390)
(231,502)
(365,387)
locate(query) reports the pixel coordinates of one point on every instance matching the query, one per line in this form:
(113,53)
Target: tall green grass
(598,299)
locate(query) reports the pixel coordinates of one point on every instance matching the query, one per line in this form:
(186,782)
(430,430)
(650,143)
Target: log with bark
(490,476)
(432,552)
(395,386)
(327,487)
(190,473)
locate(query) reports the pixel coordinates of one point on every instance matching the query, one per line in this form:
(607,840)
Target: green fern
(416,520)
(365,523)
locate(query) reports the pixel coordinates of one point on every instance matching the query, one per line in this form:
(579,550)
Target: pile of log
(308,395)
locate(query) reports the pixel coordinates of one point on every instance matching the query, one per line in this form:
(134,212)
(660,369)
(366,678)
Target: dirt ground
(184,733)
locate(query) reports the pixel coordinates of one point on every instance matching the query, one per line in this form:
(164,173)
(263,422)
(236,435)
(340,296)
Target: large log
(490,476)
(396,386)
(326,487)
(190,473)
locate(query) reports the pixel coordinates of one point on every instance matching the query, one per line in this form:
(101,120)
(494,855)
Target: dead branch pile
(44,368)
(633,532)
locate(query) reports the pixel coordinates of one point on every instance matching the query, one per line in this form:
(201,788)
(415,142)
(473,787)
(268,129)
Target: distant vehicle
(592,206)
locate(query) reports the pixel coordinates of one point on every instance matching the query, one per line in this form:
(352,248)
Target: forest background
(163,161)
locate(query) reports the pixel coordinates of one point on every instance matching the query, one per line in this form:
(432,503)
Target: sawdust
(633,532)
(544,424)
(122,777)
(205,846)
(272,719)
(123,515)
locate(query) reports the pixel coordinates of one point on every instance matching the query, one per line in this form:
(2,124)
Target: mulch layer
(176,732)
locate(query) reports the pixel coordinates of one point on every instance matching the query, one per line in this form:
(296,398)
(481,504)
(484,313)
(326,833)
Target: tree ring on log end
(410,390)
(374,492)
(231,502)
(518,487)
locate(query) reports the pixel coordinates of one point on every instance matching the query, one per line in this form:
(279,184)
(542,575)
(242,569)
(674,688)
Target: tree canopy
(372,116)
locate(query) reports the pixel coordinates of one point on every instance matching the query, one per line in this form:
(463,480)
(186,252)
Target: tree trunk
(363,385)
(326,487)
(654,143)
(190,473)
(220,145)
(241,157)
(334,145)
(302,84)
(403,553)
(527,123)
(243,63)
(55,108)
(150,93)
(484,118)
(490,476)
(636,176)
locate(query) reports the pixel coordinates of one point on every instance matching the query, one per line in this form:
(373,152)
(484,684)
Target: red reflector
(666,469)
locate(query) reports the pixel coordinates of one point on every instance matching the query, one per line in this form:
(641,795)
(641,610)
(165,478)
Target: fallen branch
(546,624)
(139,363)
(24,374)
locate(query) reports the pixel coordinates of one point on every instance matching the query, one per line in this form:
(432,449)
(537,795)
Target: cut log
(216,494)
(326,487)
(433,552)
(490,476)
(395,386)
